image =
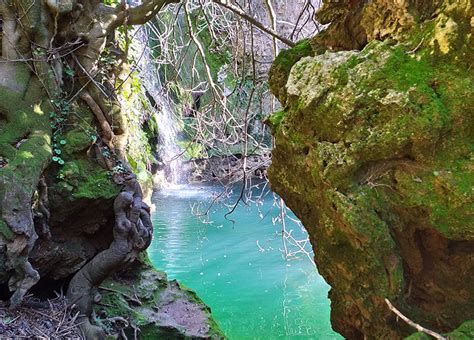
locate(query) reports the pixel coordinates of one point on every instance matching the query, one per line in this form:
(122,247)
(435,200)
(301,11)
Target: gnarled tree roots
(132,234)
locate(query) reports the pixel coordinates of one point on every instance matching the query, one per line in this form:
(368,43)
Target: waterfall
(168,121)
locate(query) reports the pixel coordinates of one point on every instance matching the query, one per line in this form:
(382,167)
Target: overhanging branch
(236,10)
(140,14)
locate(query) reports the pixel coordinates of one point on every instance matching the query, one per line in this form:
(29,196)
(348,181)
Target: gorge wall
(373,152)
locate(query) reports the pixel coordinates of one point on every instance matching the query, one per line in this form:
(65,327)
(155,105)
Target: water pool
(238,268)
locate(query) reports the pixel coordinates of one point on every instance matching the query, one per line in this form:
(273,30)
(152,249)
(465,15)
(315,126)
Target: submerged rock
(372,154)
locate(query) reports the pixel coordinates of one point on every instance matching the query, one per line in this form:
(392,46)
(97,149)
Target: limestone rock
(372,154)
(158,308)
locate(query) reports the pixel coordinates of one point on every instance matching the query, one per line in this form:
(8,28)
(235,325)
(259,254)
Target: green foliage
(58,119)
(69,71)
(192,149)
(112,3)
(217,51)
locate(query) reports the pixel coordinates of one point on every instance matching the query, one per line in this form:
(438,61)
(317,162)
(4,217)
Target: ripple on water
(252,294)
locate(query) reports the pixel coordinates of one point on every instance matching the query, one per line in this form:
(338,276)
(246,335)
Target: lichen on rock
(372,154)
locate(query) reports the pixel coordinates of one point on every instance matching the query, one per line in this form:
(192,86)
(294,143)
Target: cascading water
(168,121)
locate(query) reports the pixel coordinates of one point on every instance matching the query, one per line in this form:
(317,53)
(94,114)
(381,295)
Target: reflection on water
(238,268)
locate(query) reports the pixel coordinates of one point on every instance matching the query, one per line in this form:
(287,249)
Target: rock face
(372,154)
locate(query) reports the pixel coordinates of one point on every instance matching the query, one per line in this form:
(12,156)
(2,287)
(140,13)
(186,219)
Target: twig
(253,21)
(122,293)
(417,46)
(418,327)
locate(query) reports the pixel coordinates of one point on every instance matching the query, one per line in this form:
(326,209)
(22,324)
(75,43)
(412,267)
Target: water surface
(238,269)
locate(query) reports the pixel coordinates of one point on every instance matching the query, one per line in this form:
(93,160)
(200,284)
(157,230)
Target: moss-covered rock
(282,65)
(154,307)
(86,179)
(374,153)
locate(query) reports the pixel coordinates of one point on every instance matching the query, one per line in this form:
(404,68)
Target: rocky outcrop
(137,302)
(152,307)
(372,154)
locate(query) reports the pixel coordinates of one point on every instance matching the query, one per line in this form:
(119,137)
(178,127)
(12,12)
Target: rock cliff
(373,152)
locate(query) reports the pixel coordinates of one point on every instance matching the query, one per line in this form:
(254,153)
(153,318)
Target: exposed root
(132,234)
(41,217)
(24,276)
(107,133)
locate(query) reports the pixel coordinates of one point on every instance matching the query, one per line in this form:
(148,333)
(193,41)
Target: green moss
(463,332)
(22,123)
(76,141)
(374,147)
(275,119)
(26,142)
(7,151)
(418,336)
(85,179)
(216,53)
(153,290)
(287,58)
(6,232)
(445,193)
(282,65)
(115,303)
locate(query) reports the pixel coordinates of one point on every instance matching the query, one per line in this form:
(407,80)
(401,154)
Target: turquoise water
(238,269)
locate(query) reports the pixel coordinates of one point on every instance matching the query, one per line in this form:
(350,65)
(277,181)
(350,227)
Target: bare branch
(140,14)
(418,327)
(253,21)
